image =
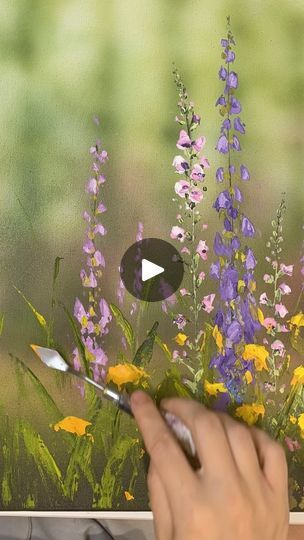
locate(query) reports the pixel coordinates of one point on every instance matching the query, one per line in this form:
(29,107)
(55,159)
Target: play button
(152,269)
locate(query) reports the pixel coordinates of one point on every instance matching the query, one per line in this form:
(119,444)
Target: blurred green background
(62,62)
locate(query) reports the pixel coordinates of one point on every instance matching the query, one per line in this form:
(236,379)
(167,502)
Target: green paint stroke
(10,458)
(110,486)
(1,324)
(80,463)
(124,324)
(44,461)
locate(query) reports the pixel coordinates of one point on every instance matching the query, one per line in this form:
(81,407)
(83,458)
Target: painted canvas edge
(295,518)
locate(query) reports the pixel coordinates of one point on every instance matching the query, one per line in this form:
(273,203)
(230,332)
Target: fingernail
(139,398)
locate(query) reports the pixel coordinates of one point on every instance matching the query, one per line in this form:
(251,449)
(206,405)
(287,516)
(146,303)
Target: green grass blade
(40,390)
(80,463)
(1,324)
(41,320)
(78,340)
(124,325)
(144,353)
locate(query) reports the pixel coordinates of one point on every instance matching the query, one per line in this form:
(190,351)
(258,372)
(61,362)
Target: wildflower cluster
(190,165)
(95,317)
(236,319)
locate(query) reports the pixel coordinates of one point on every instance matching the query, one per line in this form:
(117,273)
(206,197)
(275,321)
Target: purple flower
(235,243)
(220,101)
(232,80)
(88,281)
(196,195)
(228,284)
(235,143)
(219,247)
(222,144)
(235,106)
(223,200)
(227,225)
(182,187)
(177,233)
(180,320)
(247,227)
(237,194)
(215,270)
(233,212)
(223,73)
(238,125)
(100,229)
(245,175)
(219,175)
(207,303)
(105,313)
(89,247)
(230,57)
(234,333)
(184,140)
(197,173)
(226,125)
(100,208)
(92,186)
(202,249)
(250,261)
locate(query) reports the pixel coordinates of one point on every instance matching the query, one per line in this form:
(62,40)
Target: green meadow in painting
(218,175)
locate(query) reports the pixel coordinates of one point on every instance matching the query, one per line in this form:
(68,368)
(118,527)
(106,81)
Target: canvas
(105,142)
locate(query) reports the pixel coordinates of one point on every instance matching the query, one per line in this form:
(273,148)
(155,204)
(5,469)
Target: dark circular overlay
(157,252)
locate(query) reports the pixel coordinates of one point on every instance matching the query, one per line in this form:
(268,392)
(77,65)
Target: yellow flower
(124,373)
(248,377)
(241,285)
(218,338)
(250,413)
(128,496)
(301,424)
(298,376)
(293,419)
(258,354)
(75,425)
(181,339)
(166,349)
(297,320)
(213,388)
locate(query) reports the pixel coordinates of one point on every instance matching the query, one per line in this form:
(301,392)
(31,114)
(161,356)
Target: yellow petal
(250,413)
(241,284)
(248,377)
(258,354)
(72,424)
(213,388)
(293,419)
(181,339)
(128,496)
(297,320)
(301,424)
(298,376)
(260,316)
(218,338)
(124,373)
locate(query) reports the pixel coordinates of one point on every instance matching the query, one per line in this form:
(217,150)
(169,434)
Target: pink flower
(202,249)
(92,186)
(207,303)
(100,208)
(79,311)
(281,310)
(76,360)
(182,187)
(199,143)
(185,250)
(88,247)
(184,292)
(202,276)
(88,281)
(180,320)
(86,216)
(196,195)
(277,345)
(204,162)
(180,164)
(101,179)
(184,140)
(197,173)
(106,315)
(285,289)
(100,229)
(177,233)
(269,323)
(292,445)
(286,269)
(282,328)
(264,299)
(267,278)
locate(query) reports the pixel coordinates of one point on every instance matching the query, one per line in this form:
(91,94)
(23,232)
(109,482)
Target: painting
(122,121)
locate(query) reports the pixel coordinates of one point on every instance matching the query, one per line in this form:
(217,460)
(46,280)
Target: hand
(240,493)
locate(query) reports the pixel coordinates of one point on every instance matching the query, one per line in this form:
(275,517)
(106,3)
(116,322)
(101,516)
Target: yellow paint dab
(128,496)
(293,419)
(214,388)
(248,377)
(250,413)
(181,339)
(298,376)
(75,425)
(257,353)
(124,373)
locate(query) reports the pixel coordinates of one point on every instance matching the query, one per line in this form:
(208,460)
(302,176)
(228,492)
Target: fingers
(208,434)
(272,460)
(243,449)
(166,455)
(160,506)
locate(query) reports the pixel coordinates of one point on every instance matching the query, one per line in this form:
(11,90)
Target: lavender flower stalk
(236,320)
(95,317)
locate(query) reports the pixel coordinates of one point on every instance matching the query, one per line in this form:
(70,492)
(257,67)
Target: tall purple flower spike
(93,315)
(236,315)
